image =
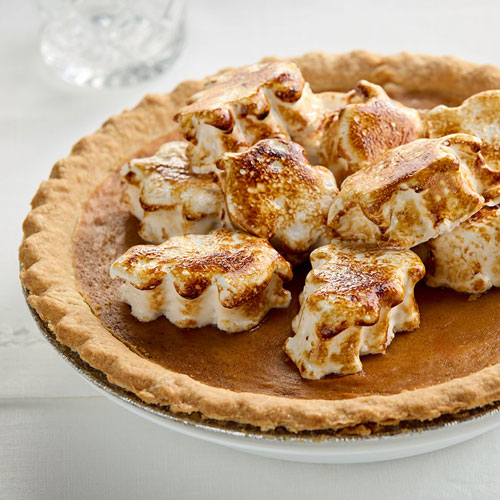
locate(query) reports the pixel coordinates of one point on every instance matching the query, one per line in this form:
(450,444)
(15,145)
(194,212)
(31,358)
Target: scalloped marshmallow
(355,298)
(272,191)
(467,259)
(362,131)
(478,115)
(415,192)
(226,278)
(168,199)
(239,107)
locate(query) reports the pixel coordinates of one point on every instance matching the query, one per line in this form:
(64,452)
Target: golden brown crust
(49,278)
(450,78)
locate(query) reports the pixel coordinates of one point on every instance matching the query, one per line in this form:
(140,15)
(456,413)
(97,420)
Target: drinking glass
(110,43)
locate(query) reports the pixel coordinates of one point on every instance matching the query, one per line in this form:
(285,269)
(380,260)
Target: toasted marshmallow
(368,126)
(168,199)
(415,192)
(242,106)
(478,115)
(225,278)
(272,191)
(467,259)
(306,125)
(355,298)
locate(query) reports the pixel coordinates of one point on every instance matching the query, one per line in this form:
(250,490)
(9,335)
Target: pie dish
(78,226)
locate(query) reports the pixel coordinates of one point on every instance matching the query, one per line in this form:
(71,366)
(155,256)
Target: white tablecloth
(58,437)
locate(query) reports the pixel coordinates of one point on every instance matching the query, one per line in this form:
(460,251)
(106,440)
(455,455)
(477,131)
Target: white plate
(419,438)
(332,451)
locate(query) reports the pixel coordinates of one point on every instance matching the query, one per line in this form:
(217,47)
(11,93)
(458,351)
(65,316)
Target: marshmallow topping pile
(245,194)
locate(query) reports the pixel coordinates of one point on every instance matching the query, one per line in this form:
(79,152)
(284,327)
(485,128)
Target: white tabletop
(59,438)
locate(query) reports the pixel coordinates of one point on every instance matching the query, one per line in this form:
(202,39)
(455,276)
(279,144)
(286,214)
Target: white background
(58,437)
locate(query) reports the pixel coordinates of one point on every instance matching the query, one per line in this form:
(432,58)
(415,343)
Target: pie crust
(49,278)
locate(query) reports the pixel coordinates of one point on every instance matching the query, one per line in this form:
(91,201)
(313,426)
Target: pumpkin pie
(81,222)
